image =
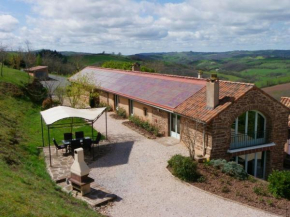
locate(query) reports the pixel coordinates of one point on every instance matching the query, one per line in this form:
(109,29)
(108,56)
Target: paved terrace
(135,170)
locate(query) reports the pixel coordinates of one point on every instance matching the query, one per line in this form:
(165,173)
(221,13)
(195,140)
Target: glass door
(116,102)
(175,126)
(254,163)
(131,108)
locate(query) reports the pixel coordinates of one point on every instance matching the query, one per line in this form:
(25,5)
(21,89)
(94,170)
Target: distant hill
(264,67)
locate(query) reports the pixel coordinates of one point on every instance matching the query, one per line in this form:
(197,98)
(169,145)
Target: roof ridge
(237,82)
(152,73)
(173,76)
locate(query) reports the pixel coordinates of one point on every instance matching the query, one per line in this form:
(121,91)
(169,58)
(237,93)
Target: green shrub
(260,190)
(230,168)
(121,112)
(175,160)
(184,168)
(102,104)
(280,184)
(219,163)
(144,124)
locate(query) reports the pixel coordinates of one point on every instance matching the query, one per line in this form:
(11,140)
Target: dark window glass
(260,164)
(173,120)
(260,126)
(178,124)
(242,124)
(251,124)
(251,164)
(145,111)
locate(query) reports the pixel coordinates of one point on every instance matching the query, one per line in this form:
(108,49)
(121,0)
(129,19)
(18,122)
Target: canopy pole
(49,145)
(92,130)
(71,124)
(42,130)
(93,140)
(106,125)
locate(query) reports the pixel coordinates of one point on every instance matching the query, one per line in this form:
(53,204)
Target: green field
(27,189)
(98,59)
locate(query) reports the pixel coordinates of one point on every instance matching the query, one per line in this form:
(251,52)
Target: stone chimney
(200,73)
(212,92)
(136,67)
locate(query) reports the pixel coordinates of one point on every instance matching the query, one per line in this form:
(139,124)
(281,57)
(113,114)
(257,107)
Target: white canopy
(61,112)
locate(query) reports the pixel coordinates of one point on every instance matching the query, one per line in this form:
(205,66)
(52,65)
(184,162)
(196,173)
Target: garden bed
(253,192)
(139,130)
(117,117)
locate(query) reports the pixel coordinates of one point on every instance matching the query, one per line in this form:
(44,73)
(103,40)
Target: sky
(135,26)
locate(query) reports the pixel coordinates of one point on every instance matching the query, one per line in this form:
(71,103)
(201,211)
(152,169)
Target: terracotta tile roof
(195,106)
(35,68)
(286,101)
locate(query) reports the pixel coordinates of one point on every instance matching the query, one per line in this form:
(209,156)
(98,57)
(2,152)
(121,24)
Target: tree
(29,56)
(3,54)
(82,86)
(77,62)
(38,60)
(190,129)
(60,92)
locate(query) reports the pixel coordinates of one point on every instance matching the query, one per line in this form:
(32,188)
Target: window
(248,130)
(145,111)
(254,163)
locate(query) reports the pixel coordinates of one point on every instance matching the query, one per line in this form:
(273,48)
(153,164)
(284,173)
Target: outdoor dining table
(68,142)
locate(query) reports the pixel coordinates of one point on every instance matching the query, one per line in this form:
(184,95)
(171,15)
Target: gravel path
(135,170)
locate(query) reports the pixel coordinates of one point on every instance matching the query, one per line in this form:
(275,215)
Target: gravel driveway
(135,170)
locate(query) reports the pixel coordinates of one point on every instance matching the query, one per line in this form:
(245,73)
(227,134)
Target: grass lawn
(27,189)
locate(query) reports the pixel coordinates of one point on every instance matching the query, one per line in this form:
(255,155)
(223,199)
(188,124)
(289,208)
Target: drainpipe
(203,151)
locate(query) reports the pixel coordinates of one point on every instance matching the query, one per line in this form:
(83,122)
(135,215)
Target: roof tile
(195,106)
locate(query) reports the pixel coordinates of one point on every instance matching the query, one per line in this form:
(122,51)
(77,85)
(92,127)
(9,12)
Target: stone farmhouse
(230,120)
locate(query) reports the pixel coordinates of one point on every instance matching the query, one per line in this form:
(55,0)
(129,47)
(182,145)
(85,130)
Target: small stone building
(39,72)
(230,120)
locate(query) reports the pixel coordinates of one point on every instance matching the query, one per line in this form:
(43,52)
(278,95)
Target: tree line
(26,58)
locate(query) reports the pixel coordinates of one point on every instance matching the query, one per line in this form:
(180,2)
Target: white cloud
(7,23)
(131,27)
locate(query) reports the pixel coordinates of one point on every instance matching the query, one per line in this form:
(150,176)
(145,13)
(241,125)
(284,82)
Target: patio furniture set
(69,144)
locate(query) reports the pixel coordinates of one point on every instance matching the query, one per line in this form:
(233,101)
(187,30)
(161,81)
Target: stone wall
(160,119)
(276,127)
(193,132)
(124,103)
(139,111)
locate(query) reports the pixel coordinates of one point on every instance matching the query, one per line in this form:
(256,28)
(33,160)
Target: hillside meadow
(27,189)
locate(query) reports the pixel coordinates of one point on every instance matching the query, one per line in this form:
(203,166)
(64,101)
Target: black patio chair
(59,147)
(87,144)
(67,136)
(75,143)
(79,135)
(97,141)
